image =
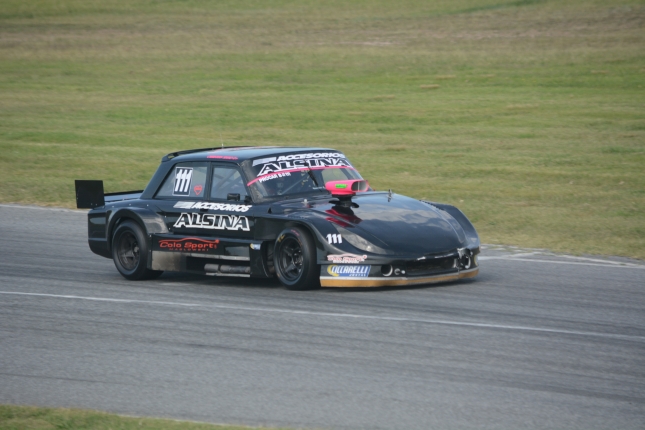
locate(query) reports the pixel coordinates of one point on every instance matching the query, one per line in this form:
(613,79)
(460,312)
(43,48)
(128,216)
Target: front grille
(431,266)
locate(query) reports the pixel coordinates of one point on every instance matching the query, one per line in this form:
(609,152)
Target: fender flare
(147,219)
(319,239)
(469,229)
(274,226)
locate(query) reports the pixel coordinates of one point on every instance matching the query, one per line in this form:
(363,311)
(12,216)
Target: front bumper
(349,270)
(395,281)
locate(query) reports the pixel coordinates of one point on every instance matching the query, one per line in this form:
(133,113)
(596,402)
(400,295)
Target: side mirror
(233,196)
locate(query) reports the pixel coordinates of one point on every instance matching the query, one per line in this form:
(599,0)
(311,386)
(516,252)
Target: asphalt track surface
(536,341)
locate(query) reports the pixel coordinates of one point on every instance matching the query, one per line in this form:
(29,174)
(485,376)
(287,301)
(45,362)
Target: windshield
(290,175)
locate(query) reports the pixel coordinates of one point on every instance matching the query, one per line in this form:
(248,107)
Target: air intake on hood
(345,190)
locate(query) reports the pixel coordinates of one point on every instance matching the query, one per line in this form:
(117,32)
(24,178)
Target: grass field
(528,115)
(33,418)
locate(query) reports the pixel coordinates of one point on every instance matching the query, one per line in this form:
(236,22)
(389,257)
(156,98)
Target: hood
(397,223)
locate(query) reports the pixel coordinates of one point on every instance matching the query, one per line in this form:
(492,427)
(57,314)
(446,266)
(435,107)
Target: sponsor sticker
(300,164)
(183,177)
(212,221)
(294,162)
(213,206)
(263,160)
(349,271)
(188,244)
(304,156)
(346,258)
(222,157)
(198,189)
(274,176)
(309,155)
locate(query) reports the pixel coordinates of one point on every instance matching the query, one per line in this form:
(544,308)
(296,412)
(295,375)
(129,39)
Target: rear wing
(90,194)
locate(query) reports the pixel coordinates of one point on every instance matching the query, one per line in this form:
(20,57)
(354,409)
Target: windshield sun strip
(299,170)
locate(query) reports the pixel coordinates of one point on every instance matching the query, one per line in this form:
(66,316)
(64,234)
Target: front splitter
(333,281)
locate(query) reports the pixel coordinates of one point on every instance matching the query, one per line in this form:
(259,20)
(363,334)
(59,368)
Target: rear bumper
(398,281)
(100,247)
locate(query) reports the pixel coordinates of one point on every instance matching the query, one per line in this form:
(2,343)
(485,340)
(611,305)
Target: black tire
(294,259)
(130,252)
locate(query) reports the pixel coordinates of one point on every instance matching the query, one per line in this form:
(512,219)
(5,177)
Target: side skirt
(213,256)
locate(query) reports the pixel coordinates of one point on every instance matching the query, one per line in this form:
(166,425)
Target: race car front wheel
(294,259)
(130,252)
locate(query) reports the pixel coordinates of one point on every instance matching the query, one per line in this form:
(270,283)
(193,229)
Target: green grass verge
(34,418)
(527,114)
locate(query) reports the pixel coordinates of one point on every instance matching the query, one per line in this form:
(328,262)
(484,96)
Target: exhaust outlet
(226,268)
(243,270)
(211,268)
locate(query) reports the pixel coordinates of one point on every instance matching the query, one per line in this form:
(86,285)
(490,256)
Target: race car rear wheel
(130,252)
(294,259)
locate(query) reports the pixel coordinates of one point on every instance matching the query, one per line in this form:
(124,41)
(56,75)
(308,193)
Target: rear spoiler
(90,195)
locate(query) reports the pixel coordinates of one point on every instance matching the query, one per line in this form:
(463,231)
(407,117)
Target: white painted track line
(612,264)
(336,315)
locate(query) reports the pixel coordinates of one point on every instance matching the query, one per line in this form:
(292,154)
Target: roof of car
(237,153)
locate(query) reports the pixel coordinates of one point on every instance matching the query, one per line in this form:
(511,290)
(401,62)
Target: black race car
(303,214)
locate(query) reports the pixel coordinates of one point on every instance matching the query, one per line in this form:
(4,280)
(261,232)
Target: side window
(227,180)
(186,180)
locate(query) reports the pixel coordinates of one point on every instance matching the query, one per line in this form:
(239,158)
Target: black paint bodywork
(398,237)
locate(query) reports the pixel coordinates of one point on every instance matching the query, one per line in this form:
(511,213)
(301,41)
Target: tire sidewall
(140,271)
(310,276)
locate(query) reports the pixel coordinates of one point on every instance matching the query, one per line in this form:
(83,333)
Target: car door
(228,210)
(205,199)
(207,212)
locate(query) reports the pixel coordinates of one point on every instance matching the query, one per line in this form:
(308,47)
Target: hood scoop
(343,191)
